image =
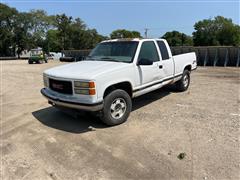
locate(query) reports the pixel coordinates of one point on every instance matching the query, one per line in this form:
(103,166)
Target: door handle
(160,66)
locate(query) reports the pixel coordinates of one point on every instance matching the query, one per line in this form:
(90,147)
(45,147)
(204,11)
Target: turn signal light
(91,84)
(92,91)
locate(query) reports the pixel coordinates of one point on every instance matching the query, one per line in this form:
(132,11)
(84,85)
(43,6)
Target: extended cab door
(167,60)
(152,72)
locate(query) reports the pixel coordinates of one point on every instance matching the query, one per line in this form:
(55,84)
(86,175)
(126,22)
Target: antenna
(146,32)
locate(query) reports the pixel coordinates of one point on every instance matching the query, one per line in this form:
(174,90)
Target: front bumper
(35,58)
(69,104)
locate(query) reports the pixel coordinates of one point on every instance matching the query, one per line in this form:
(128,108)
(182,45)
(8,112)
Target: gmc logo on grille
(57,86)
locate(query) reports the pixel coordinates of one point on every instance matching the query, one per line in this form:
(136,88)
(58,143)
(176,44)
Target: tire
(40,61)
(117,107)
(30,62)
(183,83)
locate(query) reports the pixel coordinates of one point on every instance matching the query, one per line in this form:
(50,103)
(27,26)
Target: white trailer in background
(55,55)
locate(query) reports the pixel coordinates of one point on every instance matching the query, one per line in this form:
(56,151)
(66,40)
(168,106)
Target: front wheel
(117,107)
(183,83)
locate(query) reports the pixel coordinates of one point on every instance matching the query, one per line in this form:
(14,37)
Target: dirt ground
(40,142)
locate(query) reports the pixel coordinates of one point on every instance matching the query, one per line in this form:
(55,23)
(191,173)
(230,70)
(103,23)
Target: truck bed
(182,60)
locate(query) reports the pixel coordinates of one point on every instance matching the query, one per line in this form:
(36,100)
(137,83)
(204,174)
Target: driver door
(149,74)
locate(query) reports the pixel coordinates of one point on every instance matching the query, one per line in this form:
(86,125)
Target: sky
(159,16)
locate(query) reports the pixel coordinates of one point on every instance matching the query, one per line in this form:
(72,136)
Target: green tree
(63,24)
(19,31)
(92,38)
(7,19)
(85,39)
(175,38)
(40,23)
(122,33)
(52,42)
(77,34)
(26,30)
(217,31)
(22,38)
(77,30)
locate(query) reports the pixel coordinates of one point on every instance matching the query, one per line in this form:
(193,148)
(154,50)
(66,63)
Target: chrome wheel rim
(118,108)
(185,80)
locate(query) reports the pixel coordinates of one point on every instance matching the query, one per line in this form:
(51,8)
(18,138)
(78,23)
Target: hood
(84,69)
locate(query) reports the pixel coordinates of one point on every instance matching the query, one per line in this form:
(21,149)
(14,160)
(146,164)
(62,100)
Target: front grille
(64,87)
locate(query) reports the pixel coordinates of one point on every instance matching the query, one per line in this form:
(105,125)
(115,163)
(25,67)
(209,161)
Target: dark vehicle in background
(67,59)
(74,55)
(71,59)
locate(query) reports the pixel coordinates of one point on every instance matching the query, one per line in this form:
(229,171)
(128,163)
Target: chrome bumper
(74,105)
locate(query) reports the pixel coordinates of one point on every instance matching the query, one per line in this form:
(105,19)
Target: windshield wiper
(90,58)
(110,59)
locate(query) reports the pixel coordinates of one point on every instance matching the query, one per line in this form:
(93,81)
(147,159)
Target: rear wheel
(117,107)
(183,83)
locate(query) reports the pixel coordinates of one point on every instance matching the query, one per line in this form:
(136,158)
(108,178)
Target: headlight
(85,88)
(80,84)
(45,80)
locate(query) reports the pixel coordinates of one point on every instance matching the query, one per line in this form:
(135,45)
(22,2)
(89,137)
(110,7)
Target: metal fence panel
(206,56)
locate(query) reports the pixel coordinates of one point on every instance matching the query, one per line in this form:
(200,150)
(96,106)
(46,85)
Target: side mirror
(144,61)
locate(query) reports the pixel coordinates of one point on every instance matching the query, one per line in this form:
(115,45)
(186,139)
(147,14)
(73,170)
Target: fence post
(173,51)
(226,58)
(216,57)
(238,57)
(206,57)
(197,54)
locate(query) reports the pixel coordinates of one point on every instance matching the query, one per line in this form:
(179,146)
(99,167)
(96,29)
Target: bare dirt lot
(40,142)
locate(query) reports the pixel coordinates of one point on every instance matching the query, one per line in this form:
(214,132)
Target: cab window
(148,51)
(163,50)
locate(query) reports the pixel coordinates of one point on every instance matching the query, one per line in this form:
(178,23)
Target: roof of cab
(130,39)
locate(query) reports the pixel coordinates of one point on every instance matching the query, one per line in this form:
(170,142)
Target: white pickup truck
(115,72)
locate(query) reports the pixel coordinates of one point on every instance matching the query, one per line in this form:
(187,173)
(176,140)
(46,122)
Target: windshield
(114,51)
(36,52)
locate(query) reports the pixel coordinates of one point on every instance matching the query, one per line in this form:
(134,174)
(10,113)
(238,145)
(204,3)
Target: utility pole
(146,30)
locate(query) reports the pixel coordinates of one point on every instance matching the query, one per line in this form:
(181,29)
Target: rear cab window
(163,50)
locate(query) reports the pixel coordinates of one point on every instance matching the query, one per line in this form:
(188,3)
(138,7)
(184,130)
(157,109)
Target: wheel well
(188,67)
(126,86)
